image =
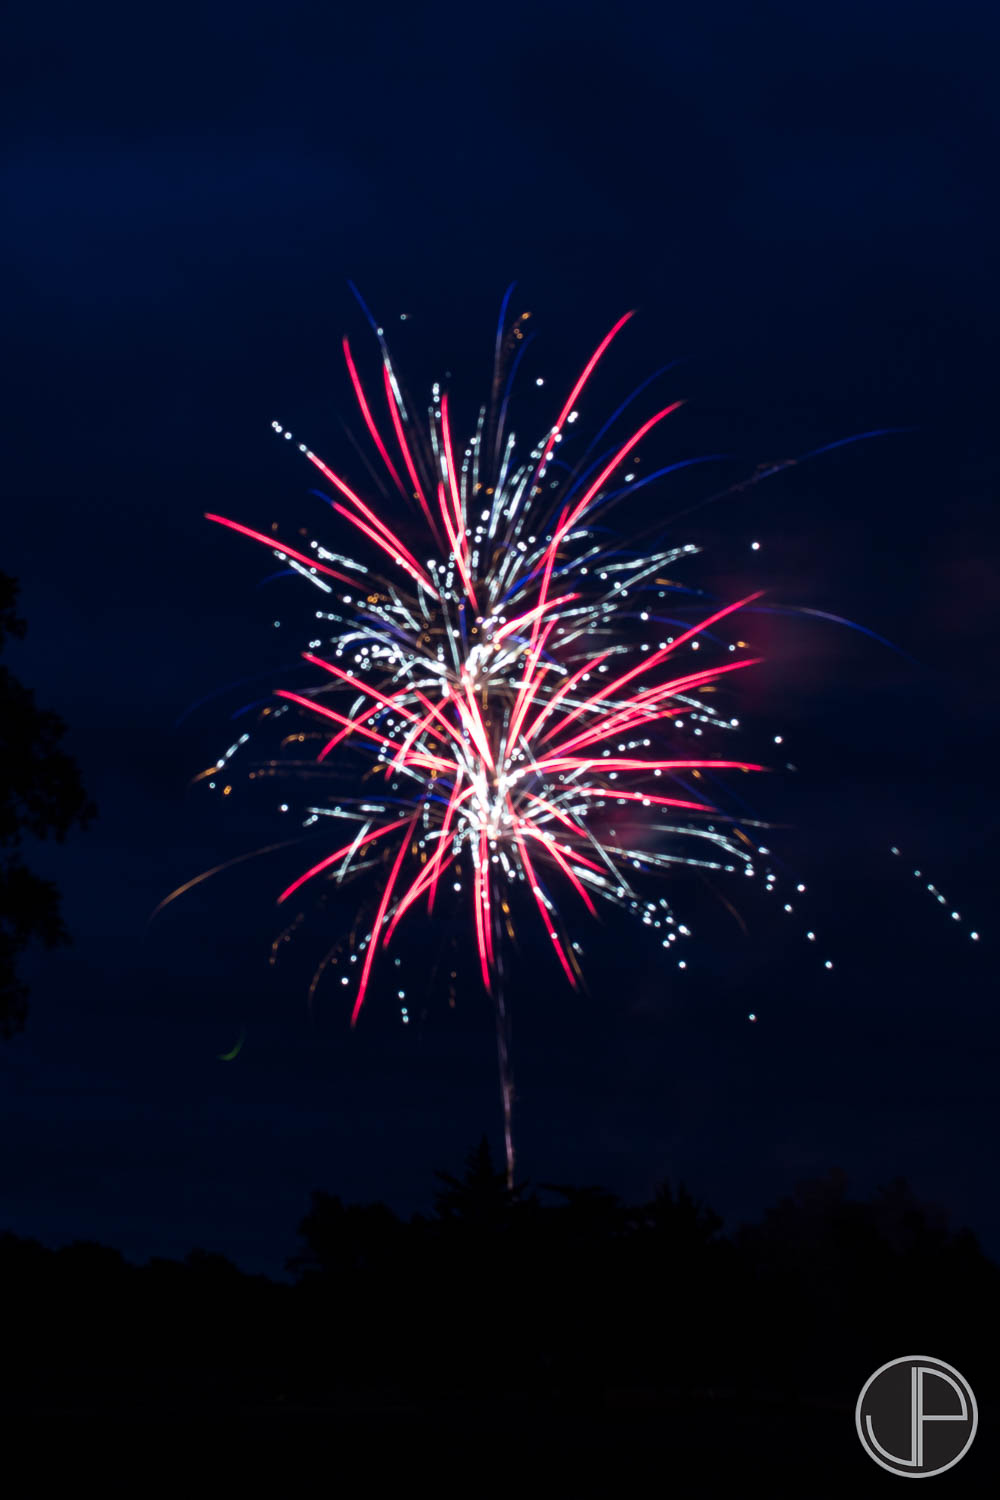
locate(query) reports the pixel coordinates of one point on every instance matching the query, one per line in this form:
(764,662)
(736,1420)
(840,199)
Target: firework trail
(500,674)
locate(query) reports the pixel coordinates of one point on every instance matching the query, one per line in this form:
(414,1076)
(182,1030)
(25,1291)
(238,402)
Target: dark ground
(565,1328)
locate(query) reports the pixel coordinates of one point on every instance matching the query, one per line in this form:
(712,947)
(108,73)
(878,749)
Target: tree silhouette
(589,1322)
(346,1238)
(40,794)
(481,1197)
(689,1224)
(590,1213)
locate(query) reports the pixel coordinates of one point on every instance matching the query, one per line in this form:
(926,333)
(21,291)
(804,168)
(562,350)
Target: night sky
(799,202)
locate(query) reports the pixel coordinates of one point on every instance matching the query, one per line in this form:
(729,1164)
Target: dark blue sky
(799,203)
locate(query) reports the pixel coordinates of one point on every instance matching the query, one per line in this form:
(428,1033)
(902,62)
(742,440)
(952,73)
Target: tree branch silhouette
(41,795)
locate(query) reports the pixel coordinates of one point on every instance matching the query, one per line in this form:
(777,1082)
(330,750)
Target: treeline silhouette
(557,1294)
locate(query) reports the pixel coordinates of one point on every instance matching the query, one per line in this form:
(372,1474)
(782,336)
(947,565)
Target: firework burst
(501,676)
